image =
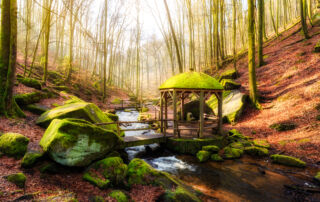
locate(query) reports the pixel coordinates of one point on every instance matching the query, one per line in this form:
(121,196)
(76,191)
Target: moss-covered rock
(13,144)
(216,158)
(283,126)
(229,84)
(33,83)
(30,159)
(29,98)
(73,99)
(144,109)
(73,142)
(51,168)
(62,88)
(234,103)
(317,177)
(192,146)
(228,74)
(203,156)
(211,148)
(288,160)
(317,48)
(79,110)
(261,143)
(139,172)
(113,117)
(119,196)
(256,151)
(37,108)
(232,153)
(18,179)
(96,199)
(116,101)
(193,107)
(192,80)
(110,171)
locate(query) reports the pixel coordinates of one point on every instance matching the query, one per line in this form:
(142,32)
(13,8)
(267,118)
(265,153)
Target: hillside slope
(289,88)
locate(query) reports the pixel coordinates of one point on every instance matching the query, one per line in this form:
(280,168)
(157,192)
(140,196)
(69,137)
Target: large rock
(228,74)
(13,144)
(233,105)
(108,172)
(29,98)
(288,160)
(229,84)
(79,110)
(73,142)
(193,107)
(32,83)
(139,172)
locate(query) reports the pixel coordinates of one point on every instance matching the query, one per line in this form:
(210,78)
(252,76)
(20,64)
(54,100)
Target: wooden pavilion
(179,87)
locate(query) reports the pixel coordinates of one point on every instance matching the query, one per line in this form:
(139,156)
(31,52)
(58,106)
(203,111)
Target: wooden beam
(161,112)
(220,101)
(201,117)
(165,114)
(182,106)
(175,123)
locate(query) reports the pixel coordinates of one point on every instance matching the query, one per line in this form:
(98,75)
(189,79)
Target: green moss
(139,172)
(144,109)
(191,80)
(116,101)
(30,159)
(75,142)
(229,84)
(111,170)
(50,168)
(203,156)
(18,179)
(113,117)
(73,99)
(97,199)
(192,146)
(232,153)
(261,143)
(37,109)
(317,177)
(119,196)
(283,126)
(317,48)
(62,88)
(211,148)
(256,151)
(288,160)
(28,98)
(228,74)
(33,83)
(216,158)
(13,144)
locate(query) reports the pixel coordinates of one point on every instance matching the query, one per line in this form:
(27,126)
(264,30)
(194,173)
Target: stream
(245,179)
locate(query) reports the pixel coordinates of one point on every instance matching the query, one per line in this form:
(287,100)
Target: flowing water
(246,179)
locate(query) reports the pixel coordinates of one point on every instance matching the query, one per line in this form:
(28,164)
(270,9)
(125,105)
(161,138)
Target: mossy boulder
(288,160)
(51,168)
(29,98)
(37,108)
(119,196)
(216,158)
(229,84)
(211,148)
(234,102)
(62,88)
(33,83)
(116,101)
(261,143)
(73,142)
(203,156)
(79,110)
(113,117)
(256,151)
(139,172)
(228,74)
(108,172)
(193,107)
(192,80)
(280,127)
(144,109)
(232,153)
(31,158)
(18,179)
(317,177)
(192,146)
(13,144)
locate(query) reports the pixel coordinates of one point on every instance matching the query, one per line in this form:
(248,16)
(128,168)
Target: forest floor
(289,90)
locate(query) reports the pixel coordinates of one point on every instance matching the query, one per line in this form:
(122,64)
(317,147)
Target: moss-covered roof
(192,80)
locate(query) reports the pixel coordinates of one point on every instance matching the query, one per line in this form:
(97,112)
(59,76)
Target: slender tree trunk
(260,32)
(234,35)
(303,11)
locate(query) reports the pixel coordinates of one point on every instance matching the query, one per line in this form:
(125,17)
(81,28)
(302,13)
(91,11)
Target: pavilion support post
(166,110)
(175,121)
(161,112)
(182,106)
(201,115)
(220,101)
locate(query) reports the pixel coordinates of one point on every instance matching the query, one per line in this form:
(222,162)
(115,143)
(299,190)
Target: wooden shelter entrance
(178,88)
